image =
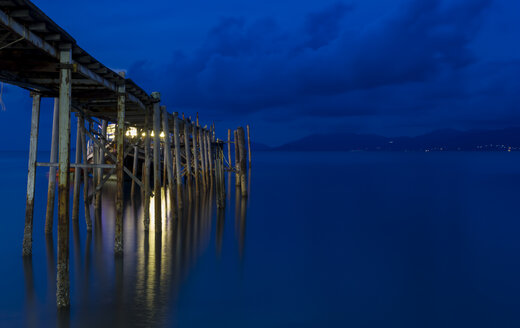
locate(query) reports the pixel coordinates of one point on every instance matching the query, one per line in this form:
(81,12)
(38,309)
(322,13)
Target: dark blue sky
(292,68)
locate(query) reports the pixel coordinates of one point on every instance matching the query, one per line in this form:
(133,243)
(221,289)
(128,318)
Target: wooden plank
(80,165)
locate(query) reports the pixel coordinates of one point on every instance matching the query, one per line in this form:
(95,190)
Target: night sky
(293,68)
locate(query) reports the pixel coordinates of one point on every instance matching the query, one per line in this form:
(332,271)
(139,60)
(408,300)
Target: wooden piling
(143,177)
(95,160)
(31,176)
(49,214)
(210,154)
(242,161)
(134,170)
(164,151)
(100,159)
(188,151)
(157,160)
(120,149)
(77,175)
(195,157)
(88,219)
(229,146)
(177,146)
(219,172)
(237,157)
(168,159)
(147,164)
(62,280)
(202,146)
(248,145)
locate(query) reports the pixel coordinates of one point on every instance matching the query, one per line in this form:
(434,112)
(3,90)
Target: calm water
(325,240)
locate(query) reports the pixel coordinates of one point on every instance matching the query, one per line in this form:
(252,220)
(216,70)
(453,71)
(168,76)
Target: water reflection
(29,292)
(142,287)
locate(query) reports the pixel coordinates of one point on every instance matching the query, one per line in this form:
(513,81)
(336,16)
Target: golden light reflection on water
(142,286)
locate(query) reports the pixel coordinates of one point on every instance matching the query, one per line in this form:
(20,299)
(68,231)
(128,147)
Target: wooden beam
(38,27)
(20,13)
(52,37)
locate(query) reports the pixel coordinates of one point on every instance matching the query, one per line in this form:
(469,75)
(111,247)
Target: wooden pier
(38,55)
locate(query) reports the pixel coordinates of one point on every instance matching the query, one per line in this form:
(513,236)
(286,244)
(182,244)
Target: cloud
(328,68)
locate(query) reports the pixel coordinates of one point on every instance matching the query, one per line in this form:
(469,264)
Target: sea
(324,239)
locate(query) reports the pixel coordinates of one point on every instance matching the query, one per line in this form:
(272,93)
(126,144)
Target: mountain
(446,139)
(259,146)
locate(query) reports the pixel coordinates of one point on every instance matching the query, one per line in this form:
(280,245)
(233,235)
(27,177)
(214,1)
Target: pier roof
(30,44)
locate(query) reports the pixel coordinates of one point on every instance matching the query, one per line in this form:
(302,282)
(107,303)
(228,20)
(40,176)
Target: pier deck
(38,55)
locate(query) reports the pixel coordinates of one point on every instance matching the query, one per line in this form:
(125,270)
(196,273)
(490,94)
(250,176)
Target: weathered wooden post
(62,280)
(219,172)
(195,157)
(242,161)
(203,165)
(229,146)
(77,174)
(49,214)
(177,146)
(188,150)
(134,170)
(165,173)
(120,163)
(210,154)
(95,161)
(31,176)
(88,219)
(147,163)
(248,145)
(217,177)
(143,177)
(157,159)
(237,158)
(100,159)
(168,154)
(230,165)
